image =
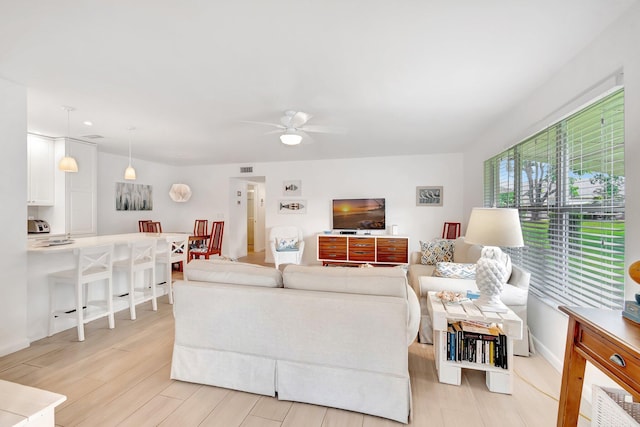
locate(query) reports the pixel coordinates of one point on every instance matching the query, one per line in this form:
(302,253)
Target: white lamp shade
(494,227)
(68,164)
(180,192)
(290,139)
(130,173)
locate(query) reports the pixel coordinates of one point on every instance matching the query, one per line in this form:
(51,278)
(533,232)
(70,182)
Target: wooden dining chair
(141,224)
(451,230)
(215,243)
(152,227)
(200,229)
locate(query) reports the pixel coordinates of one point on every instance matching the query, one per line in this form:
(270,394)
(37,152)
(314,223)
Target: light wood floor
(121,377)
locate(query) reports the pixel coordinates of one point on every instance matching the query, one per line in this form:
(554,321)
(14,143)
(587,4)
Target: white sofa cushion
(366,281)
(236,273)
(514,292)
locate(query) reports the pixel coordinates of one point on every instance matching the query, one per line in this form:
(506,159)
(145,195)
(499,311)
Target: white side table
(498,380)
(27,406)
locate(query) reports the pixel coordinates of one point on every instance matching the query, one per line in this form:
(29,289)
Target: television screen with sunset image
(358,214)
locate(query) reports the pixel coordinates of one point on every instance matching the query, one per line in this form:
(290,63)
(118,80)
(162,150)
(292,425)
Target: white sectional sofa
(514,295)
(332,336)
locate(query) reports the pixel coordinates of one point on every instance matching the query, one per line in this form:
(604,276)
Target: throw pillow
(284,244)
(436,251)
(454,270)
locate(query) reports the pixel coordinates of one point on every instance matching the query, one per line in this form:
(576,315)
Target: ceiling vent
(93,136)
(246,169)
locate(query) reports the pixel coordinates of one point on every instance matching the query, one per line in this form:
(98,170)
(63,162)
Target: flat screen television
(358,214)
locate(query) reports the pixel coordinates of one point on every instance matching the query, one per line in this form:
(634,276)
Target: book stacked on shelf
(477,342)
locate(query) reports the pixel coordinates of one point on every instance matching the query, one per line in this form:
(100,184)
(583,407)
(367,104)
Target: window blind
(567,182)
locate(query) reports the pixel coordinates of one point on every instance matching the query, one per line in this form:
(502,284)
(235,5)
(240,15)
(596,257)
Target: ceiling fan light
(68,164)
(130,173)
(290,139)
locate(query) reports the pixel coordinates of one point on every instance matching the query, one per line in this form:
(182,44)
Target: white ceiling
(403,77)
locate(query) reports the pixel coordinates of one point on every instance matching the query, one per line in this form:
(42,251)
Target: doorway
(251,217)
(255,215)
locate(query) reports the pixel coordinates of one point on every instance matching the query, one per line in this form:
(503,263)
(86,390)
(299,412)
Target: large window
(567,181)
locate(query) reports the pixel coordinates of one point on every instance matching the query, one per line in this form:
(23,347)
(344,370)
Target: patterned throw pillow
(440,250)
(285,244)
(454,270)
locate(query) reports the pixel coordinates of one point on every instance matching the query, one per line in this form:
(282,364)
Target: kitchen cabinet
(81,188)
(40,171)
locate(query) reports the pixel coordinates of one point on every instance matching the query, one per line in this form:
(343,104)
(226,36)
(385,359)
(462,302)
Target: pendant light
(130,172)
(68,163)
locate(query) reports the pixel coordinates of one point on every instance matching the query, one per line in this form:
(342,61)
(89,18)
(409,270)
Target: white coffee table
(499,380)
(27,406)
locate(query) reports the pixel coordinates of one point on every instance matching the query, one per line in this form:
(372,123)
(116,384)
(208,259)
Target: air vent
(93,136)
(246,169)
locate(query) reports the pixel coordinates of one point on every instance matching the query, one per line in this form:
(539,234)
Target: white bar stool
(93,264)
(170,251)
(142,257)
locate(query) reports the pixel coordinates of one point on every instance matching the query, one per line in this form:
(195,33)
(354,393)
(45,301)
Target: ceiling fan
(293,127)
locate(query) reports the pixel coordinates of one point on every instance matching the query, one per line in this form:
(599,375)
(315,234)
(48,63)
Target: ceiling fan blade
(299,119)
(273,131)
(306,138)
(324,129)
(263,123)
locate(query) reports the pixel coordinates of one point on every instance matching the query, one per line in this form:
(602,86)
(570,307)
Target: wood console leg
(572,380)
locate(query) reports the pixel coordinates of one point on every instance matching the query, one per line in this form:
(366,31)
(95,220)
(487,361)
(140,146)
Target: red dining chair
(200,228)
(215,243)
(451,230)
(152,227)
(141,224)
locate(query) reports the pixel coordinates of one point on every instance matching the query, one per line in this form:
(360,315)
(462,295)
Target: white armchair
(287,245)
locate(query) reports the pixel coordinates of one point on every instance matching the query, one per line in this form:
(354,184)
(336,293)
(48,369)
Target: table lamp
(492,228)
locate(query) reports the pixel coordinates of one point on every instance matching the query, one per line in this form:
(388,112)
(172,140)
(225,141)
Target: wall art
(133,197)
(429,196)
(292,188)
(292,206)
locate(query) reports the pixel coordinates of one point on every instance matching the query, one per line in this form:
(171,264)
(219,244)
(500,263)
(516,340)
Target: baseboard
(558,364)
(14,346)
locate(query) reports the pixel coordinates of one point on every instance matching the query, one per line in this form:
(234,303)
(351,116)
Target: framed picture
(292,206)
(292,188)
(133,197)
(429,196)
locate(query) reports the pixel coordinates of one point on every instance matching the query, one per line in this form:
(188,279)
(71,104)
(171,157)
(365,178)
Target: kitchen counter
(43,260)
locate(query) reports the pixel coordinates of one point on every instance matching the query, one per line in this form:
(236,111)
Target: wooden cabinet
(363,249)
(608,341)
(332,248)
(393,250)
(40,171)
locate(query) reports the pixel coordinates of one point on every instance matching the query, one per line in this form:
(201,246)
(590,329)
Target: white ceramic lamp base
(492,272)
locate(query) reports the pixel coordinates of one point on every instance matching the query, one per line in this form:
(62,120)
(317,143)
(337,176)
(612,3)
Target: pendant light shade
(130,172)
(68,163)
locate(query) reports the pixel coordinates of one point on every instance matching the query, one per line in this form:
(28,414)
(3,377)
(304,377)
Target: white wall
(573,85)
(13,186)
(215,197)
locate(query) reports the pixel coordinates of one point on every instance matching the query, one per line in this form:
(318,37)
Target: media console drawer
(363,249)
(391,249)
(333,248)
